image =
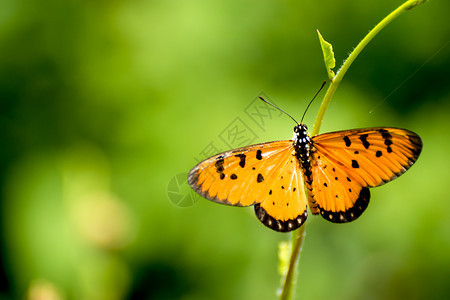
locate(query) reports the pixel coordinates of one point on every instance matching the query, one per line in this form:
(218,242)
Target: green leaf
(328,56)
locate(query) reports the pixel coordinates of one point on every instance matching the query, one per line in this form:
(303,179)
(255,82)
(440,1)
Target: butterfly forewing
(346,163)
(265,175)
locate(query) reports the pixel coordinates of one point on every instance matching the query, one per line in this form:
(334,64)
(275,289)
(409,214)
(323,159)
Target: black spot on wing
(241,159)
(385,134)
(279,225)
(378,153)
(387,140)
(260,178)
(347,141)
(355,164)
(233,176)
(259,155)
(219,164)
(350,214)
(364,141)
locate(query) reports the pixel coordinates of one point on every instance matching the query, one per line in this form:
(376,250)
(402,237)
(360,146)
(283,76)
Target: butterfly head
(301,133)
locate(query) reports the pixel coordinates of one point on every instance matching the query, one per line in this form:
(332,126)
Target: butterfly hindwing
(283,206)
(346,163)
(265,175)
(337,196)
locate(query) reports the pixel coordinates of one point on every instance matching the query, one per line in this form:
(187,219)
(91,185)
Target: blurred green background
(106,105)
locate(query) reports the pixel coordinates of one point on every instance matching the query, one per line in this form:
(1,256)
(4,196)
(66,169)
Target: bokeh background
(106,105)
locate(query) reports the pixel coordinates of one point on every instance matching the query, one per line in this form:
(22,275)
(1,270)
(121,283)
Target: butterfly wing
(264,175)
(346,163)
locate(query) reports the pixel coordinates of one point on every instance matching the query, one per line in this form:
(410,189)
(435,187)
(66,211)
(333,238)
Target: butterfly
(336,169)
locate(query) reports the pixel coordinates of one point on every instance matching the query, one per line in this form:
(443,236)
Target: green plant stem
(408,5)
(297,241)
(298,235)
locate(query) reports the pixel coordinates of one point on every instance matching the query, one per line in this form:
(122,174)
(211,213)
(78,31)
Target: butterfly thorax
(303,146)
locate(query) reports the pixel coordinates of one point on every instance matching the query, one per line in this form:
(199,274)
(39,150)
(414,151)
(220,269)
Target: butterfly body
(303,146)
(336,169)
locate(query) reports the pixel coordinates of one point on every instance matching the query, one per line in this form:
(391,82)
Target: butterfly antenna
(277,108)
(323,84)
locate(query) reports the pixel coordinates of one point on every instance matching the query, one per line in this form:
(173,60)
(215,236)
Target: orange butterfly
(337,169)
